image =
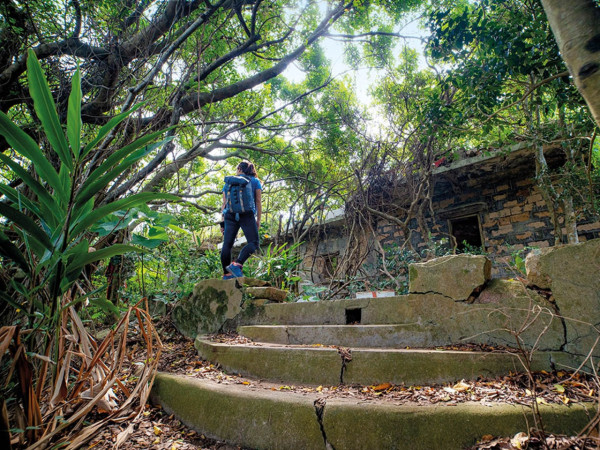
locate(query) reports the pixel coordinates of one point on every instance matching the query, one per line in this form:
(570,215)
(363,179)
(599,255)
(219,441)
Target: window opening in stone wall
(466,229)
(353,316)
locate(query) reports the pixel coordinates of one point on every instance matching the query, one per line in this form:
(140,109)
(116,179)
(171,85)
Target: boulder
(453,276)
(211,304)
(572,274)
(268,293)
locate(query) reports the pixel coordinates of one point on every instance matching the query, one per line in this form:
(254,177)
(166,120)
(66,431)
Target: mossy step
(380,336)
(256,418)
(326,365)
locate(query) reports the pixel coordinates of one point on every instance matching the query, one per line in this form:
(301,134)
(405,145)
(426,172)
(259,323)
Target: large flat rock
(255,418)
(572,274)
(211,304)
(452,276)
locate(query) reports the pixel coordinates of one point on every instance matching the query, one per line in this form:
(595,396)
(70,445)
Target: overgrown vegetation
(84,170)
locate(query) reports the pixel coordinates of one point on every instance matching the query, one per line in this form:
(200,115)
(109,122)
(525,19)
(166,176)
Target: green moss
(413,274)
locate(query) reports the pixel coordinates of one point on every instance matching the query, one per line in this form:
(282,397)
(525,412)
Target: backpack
(239,195)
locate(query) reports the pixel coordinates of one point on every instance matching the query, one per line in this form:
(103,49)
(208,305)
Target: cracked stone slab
(331,366)
(572,274)
(452,276)
(254,419)
(257,418)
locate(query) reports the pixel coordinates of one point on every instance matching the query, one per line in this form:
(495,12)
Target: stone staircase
(402,340)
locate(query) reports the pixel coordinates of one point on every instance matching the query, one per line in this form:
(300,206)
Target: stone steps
(377,336)
(321,365)
(257,418)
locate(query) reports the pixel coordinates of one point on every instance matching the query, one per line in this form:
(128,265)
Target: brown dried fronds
(88,376)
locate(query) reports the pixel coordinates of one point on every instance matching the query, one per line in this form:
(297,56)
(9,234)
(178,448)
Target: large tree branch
(71,46)
(194,101)
(576,27)
(168,52)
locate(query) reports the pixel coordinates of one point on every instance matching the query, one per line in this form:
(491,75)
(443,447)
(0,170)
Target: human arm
(258,201)
(224,204)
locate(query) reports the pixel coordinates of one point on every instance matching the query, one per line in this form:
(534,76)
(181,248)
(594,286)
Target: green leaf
(145,242)
(97,214)
(26,224)
(178,229)
(105,305)
(46,109)
(10,251)
(559,388)
(108,252)
(50,207)
(87,295)
(22,143)
(112,123)
(158,233)
(74,115)
(14,304)
(65,178)
(20,200)
(96,182)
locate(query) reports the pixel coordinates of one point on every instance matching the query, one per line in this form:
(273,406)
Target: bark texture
(576,28)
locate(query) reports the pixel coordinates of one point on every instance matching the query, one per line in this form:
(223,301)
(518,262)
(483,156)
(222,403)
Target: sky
(364,78)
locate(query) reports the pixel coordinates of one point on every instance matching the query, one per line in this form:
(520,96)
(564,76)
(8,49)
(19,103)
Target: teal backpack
(239,195)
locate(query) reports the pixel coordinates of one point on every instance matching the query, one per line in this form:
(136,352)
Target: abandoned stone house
(490,201)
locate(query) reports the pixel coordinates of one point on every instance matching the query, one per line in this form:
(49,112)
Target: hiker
(242,208)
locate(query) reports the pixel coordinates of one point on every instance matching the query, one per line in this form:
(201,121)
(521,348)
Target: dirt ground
(158,430)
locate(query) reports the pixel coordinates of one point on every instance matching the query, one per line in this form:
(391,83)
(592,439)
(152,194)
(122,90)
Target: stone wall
(499,190)
(511,211)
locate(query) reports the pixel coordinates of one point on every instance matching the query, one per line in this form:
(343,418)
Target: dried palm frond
(88,376)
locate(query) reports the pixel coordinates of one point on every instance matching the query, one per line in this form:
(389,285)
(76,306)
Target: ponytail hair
(247,168)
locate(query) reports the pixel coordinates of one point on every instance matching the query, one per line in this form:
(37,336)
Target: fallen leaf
(319,389)
(519,440)
(381,387)
(246,383)
(461,386)
(559,388)
(157,431)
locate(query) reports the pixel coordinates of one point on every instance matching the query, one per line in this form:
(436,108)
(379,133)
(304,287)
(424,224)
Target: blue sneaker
(235,270)
(229,276)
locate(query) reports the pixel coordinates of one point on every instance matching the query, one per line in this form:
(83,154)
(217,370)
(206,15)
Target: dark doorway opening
(353,316)
(466,230)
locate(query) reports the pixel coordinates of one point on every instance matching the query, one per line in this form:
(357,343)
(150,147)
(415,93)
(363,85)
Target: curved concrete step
(380,336)
(245,416)
(327,366)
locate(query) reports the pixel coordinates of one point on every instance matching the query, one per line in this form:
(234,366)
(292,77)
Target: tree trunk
(570,220)
(547,191)
(576,28)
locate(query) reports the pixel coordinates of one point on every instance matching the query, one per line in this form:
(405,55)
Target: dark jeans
(247,223)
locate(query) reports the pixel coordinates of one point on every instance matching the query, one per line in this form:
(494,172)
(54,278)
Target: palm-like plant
(46,232)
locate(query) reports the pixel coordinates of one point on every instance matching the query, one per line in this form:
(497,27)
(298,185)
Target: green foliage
(397,262)
(47,234)
(277,264)
(516,261)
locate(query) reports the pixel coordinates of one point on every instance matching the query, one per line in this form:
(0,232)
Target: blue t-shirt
(255,182)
